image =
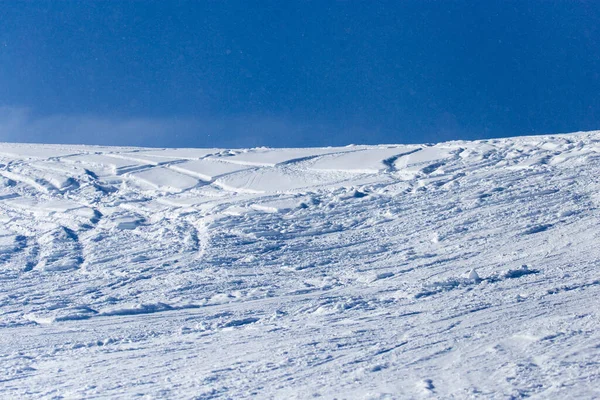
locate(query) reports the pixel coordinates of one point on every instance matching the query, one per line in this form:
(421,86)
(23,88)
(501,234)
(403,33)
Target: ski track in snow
(455,270)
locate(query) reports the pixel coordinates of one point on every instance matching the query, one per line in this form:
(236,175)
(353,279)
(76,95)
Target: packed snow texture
(455,270)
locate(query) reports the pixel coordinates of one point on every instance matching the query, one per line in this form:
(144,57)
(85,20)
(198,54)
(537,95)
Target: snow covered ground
(455,270)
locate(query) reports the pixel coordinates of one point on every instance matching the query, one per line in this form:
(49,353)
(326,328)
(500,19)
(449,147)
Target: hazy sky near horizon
(295,73)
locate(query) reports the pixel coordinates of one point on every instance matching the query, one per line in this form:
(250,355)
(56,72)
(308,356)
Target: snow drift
(454,270)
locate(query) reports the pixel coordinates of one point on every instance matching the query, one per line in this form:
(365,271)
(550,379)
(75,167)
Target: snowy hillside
(456,270)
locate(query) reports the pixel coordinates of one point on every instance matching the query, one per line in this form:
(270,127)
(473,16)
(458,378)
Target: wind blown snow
(455,270)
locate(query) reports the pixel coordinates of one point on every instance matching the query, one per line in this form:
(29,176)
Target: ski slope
(454,270)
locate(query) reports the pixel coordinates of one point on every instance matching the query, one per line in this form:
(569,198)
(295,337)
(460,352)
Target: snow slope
(455,270)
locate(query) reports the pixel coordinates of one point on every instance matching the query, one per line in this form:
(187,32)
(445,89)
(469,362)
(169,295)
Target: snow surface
(456,270)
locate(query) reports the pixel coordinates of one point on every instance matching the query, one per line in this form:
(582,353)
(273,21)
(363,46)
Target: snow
(164,179)
(272,157)
(207,169)
(451,270)
(367,161)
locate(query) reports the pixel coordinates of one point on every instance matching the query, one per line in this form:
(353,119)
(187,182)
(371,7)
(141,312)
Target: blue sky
(295,73)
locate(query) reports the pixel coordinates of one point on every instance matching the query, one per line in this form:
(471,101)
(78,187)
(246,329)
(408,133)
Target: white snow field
(453,271)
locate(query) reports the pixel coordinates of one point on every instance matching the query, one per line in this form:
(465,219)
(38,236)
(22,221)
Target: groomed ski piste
(455,270)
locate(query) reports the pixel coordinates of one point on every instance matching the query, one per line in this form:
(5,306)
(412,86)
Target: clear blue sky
(295,73)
